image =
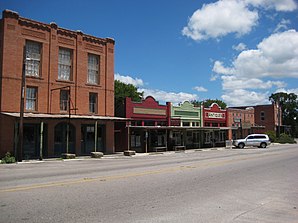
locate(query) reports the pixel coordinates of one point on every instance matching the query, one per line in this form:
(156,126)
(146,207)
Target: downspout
(106,75)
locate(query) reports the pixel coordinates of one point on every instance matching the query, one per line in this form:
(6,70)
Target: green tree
(209,102)
(196,103)
(289,108)
(122,91)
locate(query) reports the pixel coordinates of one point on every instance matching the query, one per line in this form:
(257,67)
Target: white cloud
(240,97)
(278,5)
(129,80)
(276,56)
(239,47)
(173,97)
(288,91)
(233,82)
(200,89)
(283,25)
(219,68)
(159,95)
(214,77)
(218,19)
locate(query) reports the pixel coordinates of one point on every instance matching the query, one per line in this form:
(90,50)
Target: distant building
(69,89)
(255,119)
(269,116)
(242,120)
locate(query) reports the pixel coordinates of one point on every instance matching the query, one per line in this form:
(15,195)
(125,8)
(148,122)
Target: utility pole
(21,127)
(278,117)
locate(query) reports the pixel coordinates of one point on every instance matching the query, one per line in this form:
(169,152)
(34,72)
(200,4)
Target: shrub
(284,138)
(8,158)
(272,136)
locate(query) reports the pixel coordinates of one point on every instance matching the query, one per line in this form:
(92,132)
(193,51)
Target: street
(229,185)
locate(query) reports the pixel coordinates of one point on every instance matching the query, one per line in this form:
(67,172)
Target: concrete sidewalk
(119,155)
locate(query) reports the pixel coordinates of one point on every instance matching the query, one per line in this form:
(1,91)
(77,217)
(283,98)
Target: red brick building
(69,88)
(243,121)
(269,116)
(265,118)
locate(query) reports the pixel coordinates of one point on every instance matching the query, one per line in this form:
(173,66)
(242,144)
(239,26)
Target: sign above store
(215,115)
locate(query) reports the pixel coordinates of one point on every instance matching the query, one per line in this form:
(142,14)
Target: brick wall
(16,30)
(270,116)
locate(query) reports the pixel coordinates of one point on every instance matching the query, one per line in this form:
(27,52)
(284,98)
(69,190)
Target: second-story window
(31,98)
(64,98)
(93,69)
(33,58)
(64,64)
(262,115)
(92,102)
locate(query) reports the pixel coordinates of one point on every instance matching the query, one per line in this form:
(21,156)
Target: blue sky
(238,51)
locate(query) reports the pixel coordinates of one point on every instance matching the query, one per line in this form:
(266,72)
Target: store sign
(215,115)
(149,111)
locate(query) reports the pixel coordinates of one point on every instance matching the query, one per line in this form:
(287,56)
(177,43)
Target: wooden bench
(159,148)
(176,148)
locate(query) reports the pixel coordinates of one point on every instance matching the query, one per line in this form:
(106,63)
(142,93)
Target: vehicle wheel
(263,145)
(241,145)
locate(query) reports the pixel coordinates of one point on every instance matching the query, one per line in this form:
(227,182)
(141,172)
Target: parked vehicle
(258,140)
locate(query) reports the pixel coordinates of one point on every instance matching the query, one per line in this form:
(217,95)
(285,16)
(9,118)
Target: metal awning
(180,127)
(64,116)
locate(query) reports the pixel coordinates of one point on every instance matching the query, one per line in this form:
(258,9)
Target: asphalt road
(249,185)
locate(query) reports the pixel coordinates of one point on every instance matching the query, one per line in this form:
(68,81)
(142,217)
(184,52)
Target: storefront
(142,132)
(215,116)
(47,135)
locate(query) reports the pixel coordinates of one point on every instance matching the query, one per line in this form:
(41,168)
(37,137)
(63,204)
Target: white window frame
(32,58)
(31,98)
(93,69)
(65,64)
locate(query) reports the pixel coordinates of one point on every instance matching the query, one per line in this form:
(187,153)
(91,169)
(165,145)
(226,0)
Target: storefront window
(135,139)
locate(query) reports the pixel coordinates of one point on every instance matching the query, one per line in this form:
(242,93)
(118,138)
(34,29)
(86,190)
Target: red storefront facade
(144,132)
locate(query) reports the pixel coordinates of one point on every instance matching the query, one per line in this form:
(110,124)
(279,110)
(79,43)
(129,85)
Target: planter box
(96,154)
(129,153)
(68,156)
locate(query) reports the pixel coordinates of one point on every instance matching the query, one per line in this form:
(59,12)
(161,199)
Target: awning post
(95,137)
(41,141)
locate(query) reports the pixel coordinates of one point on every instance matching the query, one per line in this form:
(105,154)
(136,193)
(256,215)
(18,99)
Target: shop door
(88,139)
(60,143)
(31,140)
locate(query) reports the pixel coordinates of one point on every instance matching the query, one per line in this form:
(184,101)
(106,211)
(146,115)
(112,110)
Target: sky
(237,51)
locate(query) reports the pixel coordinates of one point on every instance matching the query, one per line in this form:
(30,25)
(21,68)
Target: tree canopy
(209,102)
(122,91)
(289,107)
